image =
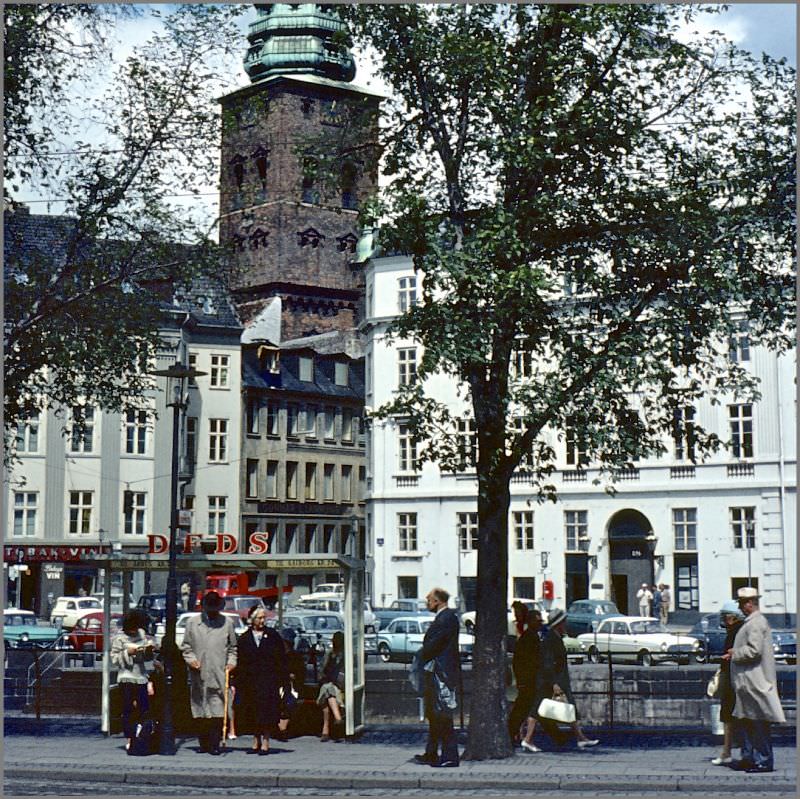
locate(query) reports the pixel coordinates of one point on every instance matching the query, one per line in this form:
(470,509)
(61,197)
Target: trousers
(135,704)
(756,741)
(440,726)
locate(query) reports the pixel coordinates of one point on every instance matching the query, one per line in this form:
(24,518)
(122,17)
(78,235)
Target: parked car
(468,618)
(22,629)
(313,626)
(117,600)
(87,634)
(335,603)
(242,603)
(710,631)
(401,607)
(155,606)
(180,626)
(68,609)
(403,637)
(581,614)
(641,639)
(325,588)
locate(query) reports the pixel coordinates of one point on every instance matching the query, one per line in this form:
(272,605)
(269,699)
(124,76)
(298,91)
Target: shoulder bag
(557,710)
(712,689)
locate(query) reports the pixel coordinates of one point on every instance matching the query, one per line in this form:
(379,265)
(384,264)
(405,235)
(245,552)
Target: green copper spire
(297,38)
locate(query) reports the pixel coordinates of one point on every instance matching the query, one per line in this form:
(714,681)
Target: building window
(219,371)
(407,532)
(407,366)
(576,526)
(191,439)
(684,527)
(576,447)
(136,432)
(306,369)
(80,512)
(25,505)
(134,508)
(467,443)
(743,526)
(27,440)
(217,440)
(216,514)
(739,343)
(468,531)
(329,538)
(251,421)
(347,424)
(188,504)
(406,293)
(191,362)
(291,479)
(82,429)
(291,538)
(327,479)
(741,422)
(252,477)
(292,419)
(518,428)
(272,479)
(347,483)
(683,432)
(310,421)
(407,588)
(407,448)
(349,199)
(522,363)
(341,375)
(272,420)
(523,529)
(309,192)
(330,423)
(311,536)
(362,483)
(311,481)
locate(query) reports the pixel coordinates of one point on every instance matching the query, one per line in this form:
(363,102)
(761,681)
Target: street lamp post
(175,375)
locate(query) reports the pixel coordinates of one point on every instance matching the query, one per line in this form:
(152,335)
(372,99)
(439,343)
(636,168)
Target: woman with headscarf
(261,674)
(732,619)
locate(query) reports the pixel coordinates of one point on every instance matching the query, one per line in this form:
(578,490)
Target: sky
(757,27)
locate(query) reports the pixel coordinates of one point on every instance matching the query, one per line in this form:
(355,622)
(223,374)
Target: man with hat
(755,683)
(209,649)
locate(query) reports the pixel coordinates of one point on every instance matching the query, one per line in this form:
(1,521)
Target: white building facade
(703,529)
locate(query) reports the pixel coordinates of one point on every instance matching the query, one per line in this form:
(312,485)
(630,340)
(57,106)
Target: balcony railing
(681,472)
(406,480)
(628,474)
(741,470)
(574,476)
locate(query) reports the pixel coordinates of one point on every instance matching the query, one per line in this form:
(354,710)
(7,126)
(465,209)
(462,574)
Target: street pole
(748,532)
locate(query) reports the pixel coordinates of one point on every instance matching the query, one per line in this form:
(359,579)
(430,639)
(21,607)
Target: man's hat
(213,601)
(748,592)
(555,617)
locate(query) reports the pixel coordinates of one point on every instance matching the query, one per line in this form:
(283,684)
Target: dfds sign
(225,544)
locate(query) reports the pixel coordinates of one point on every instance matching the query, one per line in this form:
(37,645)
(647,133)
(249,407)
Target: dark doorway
(619,592)
(577,577)
(407,588)
(741,582)
(687,582)
(524,587)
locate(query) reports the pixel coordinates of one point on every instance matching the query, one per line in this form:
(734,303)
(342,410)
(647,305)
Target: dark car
(155,606)
(581,614)
(710,630)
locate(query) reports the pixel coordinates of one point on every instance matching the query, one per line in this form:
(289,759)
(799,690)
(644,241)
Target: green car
(22,629)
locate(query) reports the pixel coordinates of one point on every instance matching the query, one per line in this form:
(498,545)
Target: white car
(402,637)
(325,588)
(68,609)
(180,626)
(641,639)
(468,619)
(335,604)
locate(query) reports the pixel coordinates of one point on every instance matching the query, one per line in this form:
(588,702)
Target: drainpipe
(781,483)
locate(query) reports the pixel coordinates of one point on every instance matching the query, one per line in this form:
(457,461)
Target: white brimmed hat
(748,592)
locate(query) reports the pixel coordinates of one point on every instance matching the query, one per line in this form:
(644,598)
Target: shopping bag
(555,710)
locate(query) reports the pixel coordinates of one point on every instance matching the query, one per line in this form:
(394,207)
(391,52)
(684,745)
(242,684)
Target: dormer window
(268,360)
(342,374)
(306,369)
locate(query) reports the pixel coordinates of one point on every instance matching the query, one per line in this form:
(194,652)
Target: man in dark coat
(440,660)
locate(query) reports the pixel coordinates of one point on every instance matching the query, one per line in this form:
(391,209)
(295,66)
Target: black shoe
(446,764)
(759,769)
(740,765)
(425,760)
(215,751)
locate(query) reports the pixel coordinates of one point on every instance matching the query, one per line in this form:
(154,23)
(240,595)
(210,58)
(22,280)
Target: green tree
(85,291)
(588,196)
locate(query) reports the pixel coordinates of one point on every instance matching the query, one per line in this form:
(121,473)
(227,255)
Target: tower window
(310,193)
(237,167)
(307,106)
(349,186)
(262,163)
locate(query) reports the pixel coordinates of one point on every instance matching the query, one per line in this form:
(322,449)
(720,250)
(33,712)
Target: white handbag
(557,711)
(712,689)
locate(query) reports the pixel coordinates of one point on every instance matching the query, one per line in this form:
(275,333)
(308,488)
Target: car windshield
(89,603)
(648,627)
(18,619)
(424,625)
(320,623)
(601,609)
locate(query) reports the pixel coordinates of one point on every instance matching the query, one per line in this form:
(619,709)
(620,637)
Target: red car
(87,634)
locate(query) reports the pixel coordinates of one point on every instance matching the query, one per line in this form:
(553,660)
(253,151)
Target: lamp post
(175,375)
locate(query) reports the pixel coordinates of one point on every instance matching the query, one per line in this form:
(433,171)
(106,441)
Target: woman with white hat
(731,618)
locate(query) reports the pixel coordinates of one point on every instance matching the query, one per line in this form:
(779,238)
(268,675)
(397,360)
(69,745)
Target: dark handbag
(145,739)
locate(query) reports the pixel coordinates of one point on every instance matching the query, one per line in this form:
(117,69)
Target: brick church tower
(296,163)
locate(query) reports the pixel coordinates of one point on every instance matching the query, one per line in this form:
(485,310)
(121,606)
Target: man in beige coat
(755,684)
(209,649)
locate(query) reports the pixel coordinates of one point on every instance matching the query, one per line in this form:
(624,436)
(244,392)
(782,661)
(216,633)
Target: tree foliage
(594,188)
(85,290)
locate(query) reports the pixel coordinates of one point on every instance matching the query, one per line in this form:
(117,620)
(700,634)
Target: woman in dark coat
(261,671)
(733,619)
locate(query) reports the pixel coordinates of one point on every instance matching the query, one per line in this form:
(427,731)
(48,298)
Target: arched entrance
(631,542)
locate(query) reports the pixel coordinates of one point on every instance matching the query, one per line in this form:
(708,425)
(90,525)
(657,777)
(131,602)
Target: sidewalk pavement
(75,750)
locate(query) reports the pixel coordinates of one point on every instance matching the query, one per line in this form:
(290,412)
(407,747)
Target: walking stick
(225,709)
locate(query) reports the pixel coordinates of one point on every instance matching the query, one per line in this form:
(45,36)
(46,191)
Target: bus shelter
(282,566)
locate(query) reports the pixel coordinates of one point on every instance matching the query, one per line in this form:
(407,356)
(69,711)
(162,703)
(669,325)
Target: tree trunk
(488,733)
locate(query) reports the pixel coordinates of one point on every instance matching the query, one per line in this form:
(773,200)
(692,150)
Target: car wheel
(384,653)
(594,655)
(645,658)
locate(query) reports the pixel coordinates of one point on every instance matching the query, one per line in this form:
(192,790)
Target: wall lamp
(593,561)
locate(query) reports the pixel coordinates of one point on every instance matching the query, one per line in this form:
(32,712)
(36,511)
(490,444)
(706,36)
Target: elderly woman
(261,673)
(732,619)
